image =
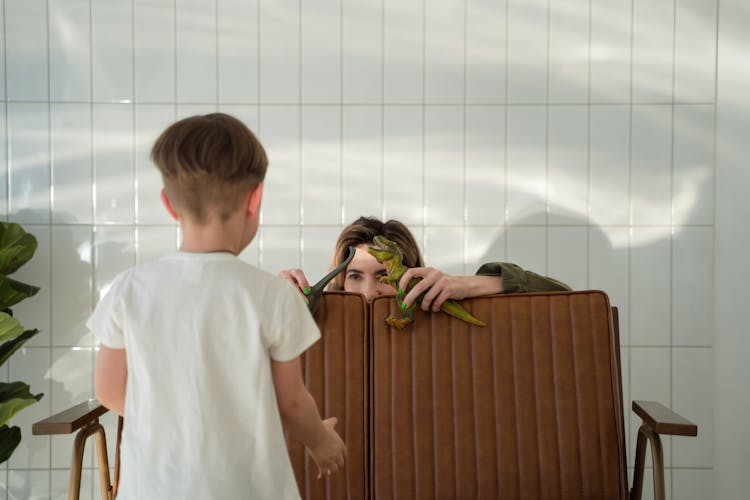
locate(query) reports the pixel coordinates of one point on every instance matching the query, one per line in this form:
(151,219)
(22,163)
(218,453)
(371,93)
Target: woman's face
(362,275)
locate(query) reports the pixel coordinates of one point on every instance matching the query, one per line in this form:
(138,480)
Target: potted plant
(16,248)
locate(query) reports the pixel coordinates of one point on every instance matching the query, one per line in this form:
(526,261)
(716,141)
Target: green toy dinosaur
(389,254)
(316,291)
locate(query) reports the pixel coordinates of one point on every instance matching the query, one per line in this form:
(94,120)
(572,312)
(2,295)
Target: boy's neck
(227,237)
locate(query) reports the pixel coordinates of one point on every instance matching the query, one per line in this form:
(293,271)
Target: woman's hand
(297,278)
(439,287)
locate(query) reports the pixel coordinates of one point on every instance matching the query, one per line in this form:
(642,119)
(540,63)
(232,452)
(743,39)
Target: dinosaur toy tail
(454,309)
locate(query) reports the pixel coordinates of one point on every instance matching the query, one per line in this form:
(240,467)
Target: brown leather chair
(529,407)
(335,372)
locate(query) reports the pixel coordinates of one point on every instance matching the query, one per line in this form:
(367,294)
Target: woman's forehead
(364,262)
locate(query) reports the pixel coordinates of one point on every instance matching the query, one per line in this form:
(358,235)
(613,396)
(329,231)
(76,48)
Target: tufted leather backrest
(336,373)
(529,407)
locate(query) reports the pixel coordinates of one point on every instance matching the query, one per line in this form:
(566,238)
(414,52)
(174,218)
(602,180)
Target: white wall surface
(732,243)
(574,137)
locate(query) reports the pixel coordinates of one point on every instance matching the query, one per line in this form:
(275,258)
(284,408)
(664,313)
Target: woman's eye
(354,277)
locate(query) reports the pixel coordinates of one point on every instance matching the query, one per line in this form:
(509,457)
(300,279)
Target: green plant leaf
(12,292)
(9,439)
(8,348)
(14,397)
(10,327)
(16,247)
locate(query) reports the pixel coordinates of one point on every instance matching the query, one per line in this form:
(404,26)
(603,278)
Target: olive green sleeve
(516,279)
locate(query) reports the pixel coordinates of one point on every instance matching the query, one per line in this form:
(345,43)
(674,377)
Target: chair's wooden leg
(94,428)
(74,488)
(101,454)
(76,466)
(640,462)
(116,482)
(645,433)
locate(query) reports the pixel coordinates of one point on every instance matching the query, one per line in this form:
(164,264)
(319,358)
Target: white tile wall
(610,49)
(568,165)
(320,41)
(279,58)
(71,163)
(650,165)
(609,165)
(114,175)
(362,52)
(444,172)
(568,56)
(237,51)
(404,145)
(320,159)
(149,121)
(403,51)
(69,50)
(444,51)
(154,50)
(485,52)
(527,40)
(26,55)
(527,165)
(695,50)
(653,51)
(196,46)
(485,164)
(28,162)
(112,50)
(575,138)
(362,162)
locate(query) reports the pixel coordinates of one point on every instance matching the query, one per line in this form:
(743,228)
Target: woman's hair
(363,231)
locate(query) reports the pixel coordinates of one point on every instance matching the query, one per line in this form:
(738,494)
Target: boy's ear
(253,201)
(168,205)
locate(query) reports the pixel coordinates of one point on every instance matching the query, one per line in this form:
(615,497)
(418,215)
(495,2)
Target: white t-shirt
(201,417)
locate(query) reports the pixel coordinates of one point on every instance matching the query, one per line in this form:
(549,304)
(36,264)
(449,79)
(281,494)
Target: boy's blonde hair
(209,164)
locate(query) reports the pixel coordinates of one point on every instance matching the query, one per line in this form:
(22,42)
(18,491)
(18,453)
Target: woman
(363,272)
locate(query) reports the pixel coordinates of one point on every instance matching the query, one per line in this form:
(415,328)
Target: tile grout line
(455,104)
(134,149)
(51,199)
(5,112)
(341,114)
(92,234)
(465,218)
(261,225)
(506,132)
(630,219)
(588,157)
(671,235)
(300,201)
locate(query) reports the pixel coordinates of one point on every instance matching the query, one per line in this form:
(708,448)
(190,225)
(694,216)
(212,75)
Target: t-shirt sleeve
(106,322)
(516,279)
(291,329)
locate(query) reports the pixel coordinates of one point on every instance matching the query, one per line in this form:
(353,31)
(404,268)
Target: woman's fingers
(428,284)
(436,286)
(298,279)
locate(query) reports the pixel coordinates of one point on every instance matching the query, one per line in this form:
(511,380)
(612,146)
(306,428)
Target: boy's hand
(330,453)
(297,278)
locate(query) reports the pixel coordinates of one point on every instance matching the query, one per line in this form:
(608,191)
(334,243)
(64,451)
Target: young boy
(199,350)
